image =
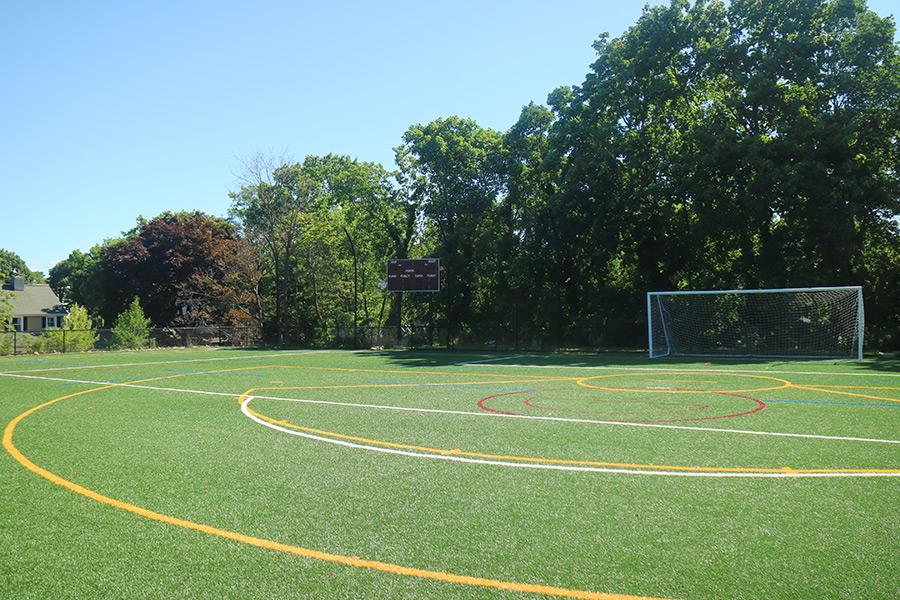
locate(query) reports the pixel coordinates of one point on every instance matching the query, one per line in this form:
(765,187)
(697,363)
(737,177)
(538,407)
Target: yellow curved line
(583,383)
(852,387)
(829,390)
(540,460)
(341,559)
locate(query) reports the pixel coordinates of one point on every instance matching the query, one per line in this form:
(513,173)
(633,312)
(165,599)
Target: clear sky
(110,110)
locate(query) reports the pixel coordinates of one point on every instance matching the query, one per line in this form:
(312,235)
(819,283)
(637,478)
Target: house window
(51,323)
(17,324)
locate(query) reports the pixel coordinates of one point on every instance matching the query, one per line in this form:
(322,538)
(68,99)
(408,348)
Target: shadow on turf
(424,358)
(440,358)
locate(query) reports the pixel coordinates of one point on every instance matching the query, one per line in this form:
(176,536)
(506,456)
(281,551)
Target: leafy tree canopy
(12,264)
(180,264)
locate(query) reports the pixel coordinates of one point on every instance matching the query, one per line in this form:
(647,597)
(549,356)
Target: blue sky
(112,110)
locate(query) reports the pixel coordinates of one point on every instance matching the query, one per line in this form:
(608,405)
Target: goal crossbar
(757,291)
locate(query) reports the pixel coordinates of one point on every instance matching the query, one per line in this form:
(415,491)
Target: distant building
(34,306)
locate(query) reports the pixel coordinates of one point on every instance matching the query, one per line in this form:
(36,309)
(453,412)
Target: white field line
(459,412)
(191,360)
(487,360)
(724,371)
(585,421)
(164,362)
(553,467)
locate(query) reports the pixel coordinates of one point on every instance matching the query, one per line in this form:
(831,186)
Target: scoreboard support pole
(399,317)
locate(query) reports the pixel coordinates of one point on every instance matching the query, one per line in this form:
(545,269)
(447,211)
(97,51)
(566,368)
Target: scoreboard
(414,275)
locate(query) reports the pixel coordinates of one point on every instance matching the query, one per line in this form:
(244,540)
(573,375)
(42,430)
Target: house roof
(35,299)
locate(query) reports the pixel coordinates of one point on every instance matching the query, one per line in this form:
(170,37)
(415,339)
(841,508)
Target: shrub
(6,338)
(6,343)
(132,328)
(76,335)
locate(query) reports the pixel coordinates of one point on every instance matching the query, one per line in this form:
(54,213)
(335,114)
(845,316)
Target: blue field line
(185,371)
(106,380)
(846,402)
(43,363)
(485,386)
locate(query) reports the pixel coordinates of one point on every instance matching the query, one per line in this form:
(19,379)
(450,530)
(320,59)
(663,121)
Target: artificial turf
(197,457)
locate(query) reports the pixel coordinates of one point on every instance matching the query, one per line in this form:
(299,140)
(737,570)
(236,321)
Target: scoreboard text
(414,275)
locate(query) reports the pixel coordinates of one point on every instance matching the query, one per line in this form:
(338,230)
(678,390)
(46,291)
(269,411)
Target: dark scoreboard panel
(414,275)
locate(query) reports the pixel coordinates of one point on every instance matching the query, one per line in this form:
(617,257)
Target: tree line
(711,146)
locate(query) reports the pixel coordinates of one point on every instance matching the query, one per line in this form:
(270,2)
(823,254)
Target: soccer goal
(778,323)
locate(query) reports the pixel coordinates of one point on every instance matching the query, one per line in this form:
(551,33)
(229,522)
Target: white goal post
(819,322)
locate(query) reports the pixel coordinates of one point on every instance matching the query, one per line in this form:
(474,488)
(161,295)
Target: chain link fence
(461,338)
(413,336)
(81,340)
(407,336)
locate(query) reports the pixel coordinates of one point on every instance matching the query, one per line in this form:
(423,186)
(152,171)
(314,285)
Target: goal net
(798,322)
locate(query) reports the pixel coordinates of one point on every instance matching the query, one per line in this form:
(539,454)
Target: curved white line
(526,465)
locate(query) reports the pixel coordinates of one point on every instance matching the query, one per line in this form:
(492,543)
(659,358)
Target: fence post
(64,341)
(516,325)
(15,342)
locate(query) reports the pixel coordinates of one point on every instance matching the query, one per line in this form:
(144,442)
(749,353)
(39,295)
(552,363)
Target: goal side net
(777,323)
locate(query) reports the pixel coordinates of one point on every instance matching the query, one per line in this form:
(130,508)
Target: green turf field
(334,474)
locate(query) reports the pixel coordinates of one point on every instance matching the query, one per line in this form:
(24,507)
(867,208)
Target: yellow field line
(783,383)
(352,561)
(829,390)
(852,387)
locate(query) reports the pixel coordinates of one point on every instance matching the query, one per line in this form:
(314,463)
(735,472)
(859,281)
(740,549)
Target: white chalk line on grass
(687,370)
(527,465)
(270,354)
(165,362)
(458,412)
(488,360)
(584,421)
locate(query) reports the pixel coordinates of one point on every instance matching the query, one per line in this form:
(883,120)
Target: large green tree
(738,145)
(188,268)
(455,167)
(79,279)
(307,220)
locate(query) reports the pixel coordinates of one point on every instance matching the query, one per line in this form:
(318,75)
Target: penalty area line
(459,412)
(162,362)
(487,360)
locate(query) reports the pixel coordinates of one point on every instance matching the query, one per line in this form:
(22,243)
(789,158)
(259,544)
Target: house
(34,306)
